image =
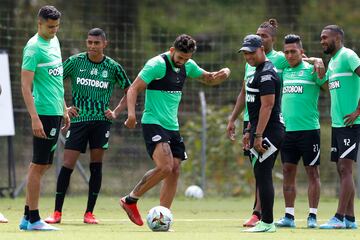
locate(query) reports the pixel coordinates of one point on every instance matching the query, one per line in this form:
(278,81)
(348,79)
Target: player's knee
(344,170)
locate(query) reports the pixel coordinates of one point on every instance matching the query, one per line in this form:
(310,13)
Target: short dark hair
(49,12)
(184,43)
(336,29)
(293,38)
(97,32)
(271,25)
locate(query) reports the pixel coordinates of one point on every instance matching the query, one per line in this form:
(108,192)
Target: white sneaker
(3,219)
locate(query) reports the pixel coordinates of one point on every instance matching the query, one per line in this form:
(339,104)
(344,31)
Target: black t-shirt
(266,81)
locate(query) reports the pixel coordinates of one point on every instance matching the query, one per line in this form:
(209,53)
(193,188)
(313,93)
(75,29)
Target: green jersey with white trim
(164,90)
(44,59)
(344,85)
(92,85)
(300,94)
(277,58)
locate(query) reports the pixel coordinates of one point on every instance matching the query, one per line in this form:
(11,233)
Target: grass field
(207,219)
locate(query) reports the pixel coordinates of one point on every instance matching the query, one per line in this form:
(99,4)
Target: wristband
(258,135)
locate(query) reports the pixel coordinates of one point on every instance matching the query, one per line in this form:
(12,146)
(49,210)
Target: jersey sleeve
(267,84)
(193,70)
(68,67)
(122,78)
(353,60)
(154,69)
(281,63)
(30,60)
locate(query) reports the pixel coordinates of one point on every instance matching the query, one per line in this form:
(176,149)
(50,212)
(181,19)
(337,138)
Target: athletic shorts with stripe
(305,144)
(154,134)
(345,142)
(44,148)
(96,133)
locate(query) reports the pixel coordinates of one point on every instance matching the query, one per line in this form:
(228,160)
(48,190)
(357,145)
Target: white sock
(133,195)
(313,210)
(290,210)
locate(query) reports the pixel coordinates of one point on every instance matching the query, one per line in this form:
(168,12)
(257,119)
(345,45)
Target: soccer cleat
(23,224)
(54,218)
(262,227)
(41,226)
(286,222)
(252,221)
(3,219)
(132,212)
(311,222)
(89,218)
(333,223)
(350,224)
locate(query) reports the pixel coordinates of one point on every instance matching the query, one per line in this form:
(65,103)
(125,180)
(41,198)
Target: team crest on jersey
(301,73)
(105,74)
(53,132)
(94,71)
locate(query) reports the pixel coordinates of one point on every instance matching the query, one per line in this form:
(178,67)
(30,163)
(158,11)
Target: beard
(175,64)
(330,48)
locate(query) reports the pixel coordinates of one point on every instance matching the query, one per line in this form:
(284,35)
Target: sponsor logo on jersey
(293,89)
(92,83)
(105,74)
(334,84)
(156,138)
(56,71)
(265,78)
(94,71)
(250,98)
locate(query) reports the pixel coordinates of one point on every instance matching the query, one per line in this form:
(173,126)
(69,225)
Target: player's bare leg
(347,186)
(169,186)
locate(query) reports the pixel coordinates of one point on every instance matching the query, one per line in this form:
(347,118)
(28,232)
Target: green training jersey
(44,59)
(92,85)
(162,102)
(279,61)
(344,85)
(301,87)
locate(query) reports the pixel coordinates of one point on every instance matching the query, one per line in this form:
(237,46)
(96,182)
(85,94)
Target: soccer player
(301,87)
(42,69)
(343,74)
(267,31)
(93,78)
(162,79)
(265,130)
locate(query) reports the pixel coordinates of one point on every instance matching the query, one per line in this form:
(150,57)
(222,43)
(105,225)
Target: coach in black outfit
(263,100)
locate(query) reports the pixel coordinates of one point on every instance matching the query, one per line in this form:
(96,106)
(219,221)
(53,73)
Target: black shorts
(305,144)
(97,133)
(344,142)
(44,149)
(246,152)
(154,134)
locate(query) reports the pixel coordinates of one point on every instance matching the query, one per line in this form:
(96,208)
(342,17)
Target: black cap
(251,43)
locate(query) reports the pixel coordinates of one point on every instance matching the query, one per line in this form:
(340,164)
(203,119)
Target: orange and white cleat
(54,218)
(252,221)
(89,218)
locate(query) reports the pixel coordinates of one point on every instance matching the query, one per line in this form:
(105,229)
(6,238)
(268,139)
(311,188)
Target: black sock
(94,185)
(26,212)
(288,215)
(350,218)
(61,187)
(312,215)
(130,200)
(257,213)
(339,216)
(34,215)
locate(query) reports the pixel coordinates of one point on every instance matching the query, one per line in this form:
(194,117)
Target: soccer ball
(194,191)
(159,219)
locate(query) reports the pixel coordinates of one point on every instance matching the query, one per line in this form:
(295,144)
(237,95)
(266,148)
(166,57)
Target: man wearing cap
(265,131)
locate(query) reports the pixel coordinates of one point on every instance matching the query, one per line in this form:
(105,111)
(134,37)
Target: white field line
(177,220)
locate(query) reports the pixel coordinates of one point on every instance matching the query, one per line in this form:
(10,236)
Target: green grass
(207,219)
